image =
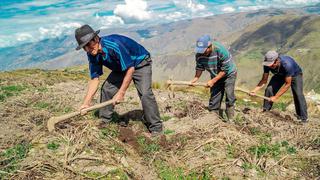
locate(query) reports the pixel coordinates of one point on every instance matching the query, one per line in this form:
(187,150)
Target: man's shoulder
(219,47)
(286,57)
(286,60)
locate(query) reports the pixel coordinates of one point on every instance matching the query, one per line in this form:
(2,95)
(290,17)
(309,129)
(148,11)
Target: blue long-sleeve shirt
(119,54)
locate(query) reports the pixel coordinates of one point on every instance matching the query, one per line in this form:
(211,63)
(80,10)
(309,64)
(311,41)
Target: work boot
(230,113)
(219,112)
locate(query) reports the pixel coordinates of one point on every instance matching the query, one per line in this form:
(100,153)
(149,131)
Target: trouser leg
(142,78)
(217,92)
(273,87)
(109,88)
(298,97)
(230,96)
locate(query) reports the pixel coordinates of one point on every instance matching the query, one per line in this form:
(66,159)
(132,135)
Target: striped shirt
(119,54)
(219,60)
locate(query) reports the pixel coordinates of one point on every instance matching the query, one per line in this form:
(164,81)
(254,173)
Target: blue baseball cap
(203,43)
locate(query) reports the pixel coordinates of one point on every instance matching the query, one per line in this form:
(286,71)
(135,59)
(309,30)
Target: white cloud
(251,8)
(58,29)
(228,9)
(195,6)
(133,11)
(23,36)
(109,21)
(295,2)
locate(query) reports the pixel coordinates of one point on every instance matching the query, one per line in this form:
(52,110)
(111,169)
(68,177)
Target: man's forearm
(197,76)
(259,86)
(220,75)
(92,89)
(126,80)
(283,90)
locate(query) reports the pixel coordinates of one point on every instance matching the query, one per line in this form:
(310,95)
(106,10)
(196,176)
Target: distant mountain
(160,40)
(248,35)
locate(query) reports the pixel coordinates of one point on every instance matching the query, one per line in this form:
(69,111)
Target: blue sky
(23,21)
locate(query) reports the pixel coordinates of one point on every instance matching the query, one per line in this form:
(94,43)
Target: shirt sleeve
(289,69)
(266,69)
(199,66)
(95,69)
(224,58)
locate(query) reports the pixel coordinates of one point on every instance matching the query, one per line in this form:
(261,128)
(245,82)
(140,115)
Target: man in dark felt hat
(217,60)
(128,61)
(287,73)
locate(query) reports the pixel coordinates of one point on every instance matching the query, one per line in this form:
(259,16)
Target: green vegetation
(148,147)
(12,90)
(170,173)
(165,118)
(231,151)
(53,145)
(114,174)
(42,105)
(272,149)
(117,149)
(112,130)
(168,131)
(11,157)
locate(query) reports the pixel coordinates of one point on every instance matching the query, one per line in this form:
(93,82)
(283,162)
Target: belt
(144,62)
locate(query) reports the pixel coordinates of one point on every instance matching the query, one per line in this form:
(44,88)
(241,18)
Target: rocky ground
(196,144)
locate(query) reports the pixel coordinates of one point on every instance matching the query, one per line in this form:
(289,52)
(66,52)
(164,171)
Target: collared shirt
(119,54)
(288,67)
(219,60)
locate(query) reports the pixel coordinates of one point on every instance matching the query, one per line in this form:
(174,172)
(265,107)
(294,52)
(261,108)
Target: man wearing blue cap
(287,73)
(217,60)
(129,61)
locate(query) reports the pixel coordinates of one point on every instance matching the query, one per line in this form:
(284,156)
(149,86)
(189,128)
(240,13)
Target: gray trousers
(142,78)
(277,82)
(226,86)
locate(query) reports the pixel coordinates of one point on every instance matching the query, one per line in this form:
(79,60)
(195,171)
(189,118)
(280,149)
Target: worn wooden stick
(54,120)
(257,95)
(170,82)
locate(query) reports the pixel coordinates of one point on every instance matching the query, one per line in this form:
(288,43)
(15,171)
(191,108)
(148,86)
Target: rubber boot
(219,112)
(230,113)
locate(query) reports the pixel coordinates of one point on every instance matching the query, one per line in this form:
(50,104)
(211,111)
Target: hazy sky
(24,21)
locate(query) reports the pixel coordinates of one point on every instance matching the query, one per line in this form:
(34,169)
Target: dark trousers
(226,86)
(277,82)
(142,78)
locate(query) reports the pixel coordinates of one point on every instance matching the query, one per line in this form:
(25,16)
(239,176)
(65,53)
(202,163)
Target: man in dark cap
(287,73)
(128,61)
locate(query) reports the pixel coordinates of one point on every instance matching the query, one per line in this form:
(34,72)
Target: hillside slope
(195,145)
(296,36)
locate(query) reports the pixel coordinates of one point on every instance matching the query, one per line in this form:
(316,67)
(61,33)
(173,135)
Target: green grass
(209,147)
(168,131)
(274,150)
(166,172)
(165,118)
(148,147)
(282,106)
(42,105)
(11,90)
(117,149)
(231,151)
(11,157)
(111,130)
(118,174)
(53,145)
